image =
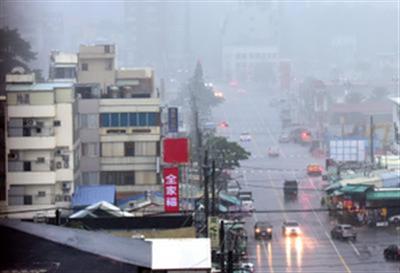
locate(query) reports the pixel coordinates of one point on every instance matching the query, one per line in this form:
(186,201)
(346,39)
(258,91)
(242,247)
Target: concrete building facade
(43,141)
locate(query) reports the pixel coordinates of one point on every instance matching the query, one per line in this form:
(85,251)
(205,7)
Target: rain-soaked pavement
(313,251)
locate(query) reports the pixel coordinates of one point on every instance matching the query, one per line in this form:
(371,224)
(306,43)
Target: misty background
(323,39)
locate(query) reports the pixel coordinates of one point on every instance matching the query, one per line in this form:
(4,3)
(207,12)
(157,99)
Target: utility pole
(213,207)
(371,139)
(222,246)
(206,196)
(230,261)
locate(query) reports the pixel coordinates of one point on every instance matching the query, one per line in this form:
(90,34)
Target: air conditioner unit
(67,198)
(59,198)
(57,123)
(13,156)
(29,122)
(40,160)
(58,165)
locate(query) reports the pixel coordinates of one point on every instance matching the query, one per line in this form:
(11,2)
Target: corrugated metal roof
(37,86)
(88,195)
(384,195)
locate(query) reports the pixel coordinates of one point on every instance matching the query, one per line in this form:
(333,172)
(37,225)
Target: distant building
(3,145)
(42,142)
(96,64)
(63,67)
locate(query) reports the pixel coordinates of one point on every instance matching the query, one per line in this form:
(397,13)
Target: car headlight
(257,230)
(269,230)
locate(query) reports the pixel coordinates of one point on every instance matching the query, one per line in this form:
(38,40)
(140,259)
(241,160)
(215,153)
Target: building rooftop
(64,58)
(88,195)
(37,86)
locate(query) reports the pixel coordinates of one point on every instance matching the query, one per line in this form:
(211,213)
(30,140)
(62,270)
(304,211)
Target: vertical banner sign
(173,120)
(171,189)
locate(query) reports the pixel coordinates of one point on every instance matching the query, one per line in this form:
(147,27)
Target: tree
(227,156)
(202,95)
(14,51)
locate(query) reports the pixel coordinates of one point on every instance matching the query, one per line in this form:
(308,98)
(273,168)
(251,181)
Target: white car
(291,228)
(245,137)
(248,267)
(395,220)
(273,151)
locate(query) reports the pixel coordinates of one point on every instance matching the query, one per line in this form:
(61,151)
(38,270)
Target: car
(392,252)
(245,137)
(263,229)
(284,138)
(290,189)
(223,124)
(273,151)
(291,228)
(344,232)
(395,220)
(314,169)
(249,267)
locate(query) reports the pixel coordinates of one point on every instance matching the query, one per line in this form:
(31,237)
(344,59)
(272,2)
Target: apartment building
(3,134)
(120,132)
(63,67)
(96,64)
(42,141)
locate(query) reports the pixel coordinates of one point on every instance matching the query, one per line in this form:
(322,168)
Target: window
(129,148)
(117,178)
(104,120)
(90,178)
(114,120)
(107,49)
(85,66)
(124,119)
(112,149)
(23,99)
(109,64)
(133,119)
(27,166)
(89,121)
(142,119)
(90,149)
(27,199)
(145,148)
(152,119)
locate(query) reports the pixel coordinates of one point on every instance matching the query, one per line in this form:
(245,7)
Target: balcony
(32,143)
(31,111)
(31,178)
(148,163)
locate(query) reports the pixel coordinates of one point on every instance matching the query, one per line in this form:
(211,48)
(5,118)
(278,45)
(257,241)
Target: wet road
(313,251)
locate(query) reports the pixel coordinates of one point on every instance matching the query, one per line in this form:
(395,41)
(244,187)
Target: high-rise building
(42,141)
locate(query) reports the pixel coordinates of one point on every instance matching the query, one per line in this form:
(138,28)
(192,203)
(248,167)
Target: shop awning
(384,195)
(230,199)
(350,189)
(333,186)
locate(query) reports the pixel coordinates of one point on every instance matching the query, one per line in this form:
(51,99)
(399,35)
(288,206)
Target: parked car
(263,229)
(344,232)
(392,252)
(247,201)
(395,220)
(284,138)
(273,151)
(314,169)
(291,228)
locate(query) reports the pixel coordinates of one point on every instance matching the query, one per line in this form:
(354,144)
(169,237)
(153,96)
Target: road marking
(355,248)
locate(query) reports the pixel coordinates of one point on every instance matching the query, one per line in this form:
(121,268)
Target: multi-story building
(96,64)
(63,67)
(42,141)
(120,132)
(3,134)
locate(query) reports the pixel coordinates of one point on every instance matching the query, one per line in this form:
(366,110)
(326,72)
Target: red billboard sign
(176,150)
(171,189)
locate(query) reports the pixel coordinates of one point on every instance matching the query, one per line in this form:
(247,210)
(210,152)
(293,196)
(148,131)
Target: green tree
(14,51)
(202,95)
(227,156)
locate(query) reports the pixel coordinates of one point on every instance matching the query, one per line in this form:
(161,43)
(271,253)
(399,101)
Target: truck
(290,189)
(247,201)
